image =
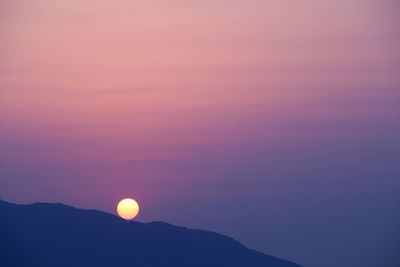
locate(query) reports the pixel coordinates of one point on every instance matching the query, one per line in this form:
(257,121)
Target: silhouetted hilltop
(41,234)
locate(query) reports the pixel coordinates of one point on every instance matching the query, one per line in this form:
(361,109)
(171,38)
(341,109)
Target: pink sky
(214,105)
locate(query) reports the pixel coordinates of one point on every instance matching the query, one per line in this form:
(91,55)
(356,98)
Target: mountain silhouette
(42,234)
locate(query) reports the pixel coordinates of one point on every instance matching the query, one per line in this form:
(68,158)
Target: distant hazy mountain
(57,235)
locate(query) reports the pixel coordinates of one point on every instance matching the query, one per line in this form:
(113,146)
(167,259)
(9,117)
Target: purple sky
(274,122)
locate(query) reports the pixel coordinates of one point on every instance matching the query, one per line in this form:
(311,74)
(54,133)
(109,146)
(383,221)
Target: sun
(128,209)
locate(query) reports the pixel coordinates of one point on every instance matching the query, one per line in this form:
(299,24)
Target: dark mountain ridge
(45,234)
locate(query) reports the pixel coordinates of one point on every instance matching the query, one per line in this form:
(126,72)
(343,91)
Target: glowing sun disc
(128,209)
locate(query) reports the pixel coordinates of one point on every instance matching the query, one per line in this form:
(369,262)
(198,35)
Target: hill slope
(58,235)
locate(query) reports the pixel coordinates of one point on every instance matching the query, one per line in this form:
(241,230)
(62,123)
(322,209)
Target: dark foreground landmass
(41,235)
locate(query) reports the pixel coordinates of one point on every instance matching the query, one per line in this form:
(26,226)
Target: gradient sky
(275,122)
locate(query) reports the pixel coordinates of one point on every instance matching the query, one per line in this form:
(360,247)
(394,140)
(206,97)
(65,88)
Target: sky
(274,122)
